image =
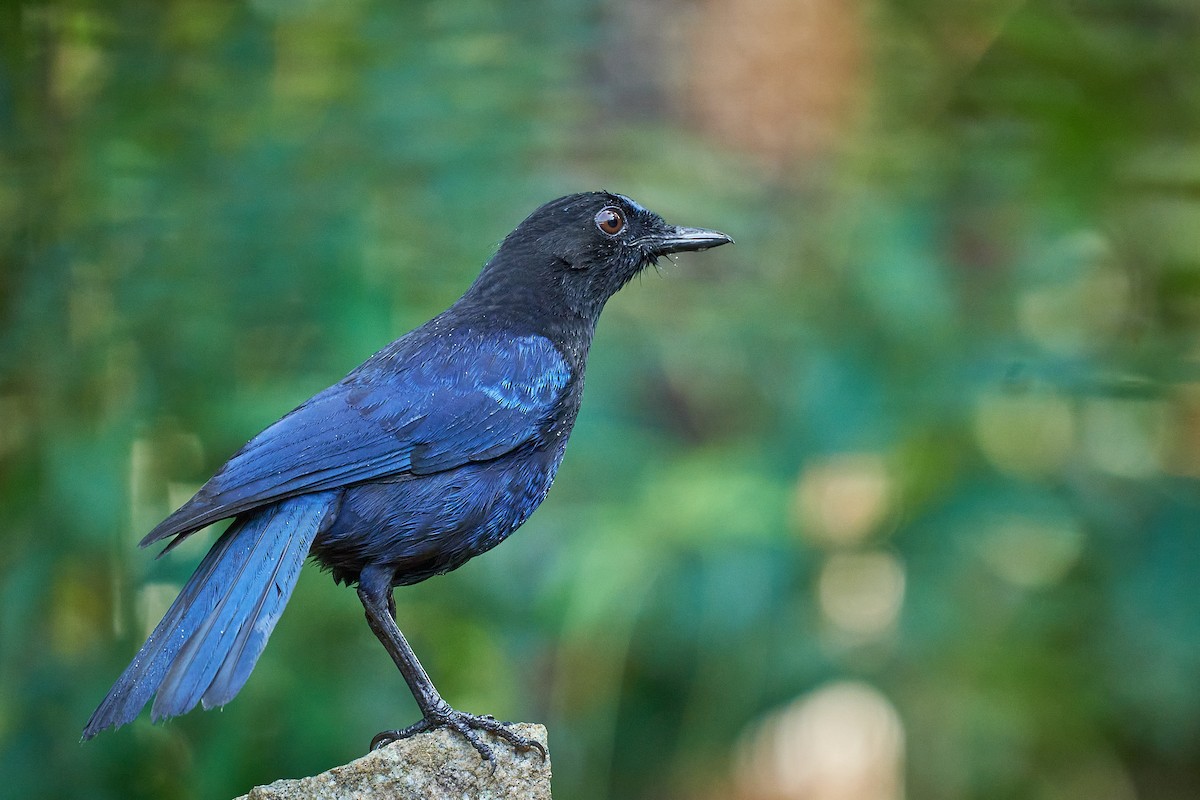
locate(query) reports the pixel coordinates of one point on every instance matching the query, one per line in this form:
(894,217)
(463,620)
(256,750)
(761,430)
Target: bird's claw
(466,726)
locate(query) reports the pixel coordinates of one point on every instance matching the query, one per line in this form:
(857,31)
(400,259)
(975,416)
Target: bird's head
(583,248)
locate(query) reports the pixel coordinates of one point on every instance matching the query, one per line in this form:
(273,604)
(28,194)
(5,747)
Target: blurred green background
(896,498)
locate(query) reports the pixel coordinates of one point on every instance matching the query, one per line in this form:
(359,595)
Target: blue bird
(431,452)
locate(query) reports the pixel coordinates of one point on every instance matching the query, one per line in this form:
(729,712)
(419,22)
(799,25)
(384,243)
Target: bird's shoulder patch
(521,372)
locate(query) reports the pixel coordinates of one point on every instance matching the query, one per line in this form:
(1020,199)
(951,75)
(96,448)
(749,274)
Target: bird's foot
(466,725)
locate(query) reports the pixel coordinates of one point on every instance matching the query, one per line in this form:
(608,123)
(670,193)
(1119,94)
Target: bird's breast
(435,523)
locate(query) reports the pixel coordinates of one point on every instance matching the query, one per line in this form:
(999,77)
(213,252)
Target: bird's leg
(375,592)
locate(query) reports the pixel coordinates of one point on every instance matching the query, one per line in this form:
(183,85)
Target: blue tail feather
(197,663)
(251,639)
(214,632)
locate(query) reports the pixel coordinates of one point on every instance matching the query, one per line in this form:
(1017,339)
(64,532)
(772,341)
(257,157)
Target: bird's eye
(610,221)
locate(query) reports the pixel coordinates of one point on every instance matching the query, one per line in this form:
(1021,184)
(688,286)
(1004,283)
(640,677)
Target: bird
(430,452)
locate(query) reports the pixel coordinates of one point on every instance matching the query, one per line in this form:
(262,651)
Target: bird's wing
(411,410)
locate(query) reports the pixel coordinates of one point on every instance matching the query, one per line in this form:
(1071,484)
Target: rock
(438,765)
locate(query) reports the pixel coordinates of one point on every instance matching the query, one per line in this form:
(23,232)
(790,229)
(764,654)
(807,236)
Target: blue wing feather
(413,408)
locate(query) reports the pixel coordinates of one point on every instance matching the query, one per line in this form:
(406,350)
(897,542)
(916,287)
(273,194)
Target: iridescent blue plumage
(432,451)
(434,400)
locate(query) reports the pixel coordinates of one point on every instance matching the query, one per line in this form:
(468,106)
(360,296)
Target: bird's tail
(206,645)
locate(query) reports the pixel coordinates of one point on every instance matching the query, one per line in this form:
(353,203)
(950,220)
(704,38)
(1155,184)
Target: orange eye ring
(610,221)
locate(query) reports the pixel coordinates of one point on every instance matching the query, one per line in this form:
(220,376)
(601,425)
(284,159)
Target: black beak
(673,239)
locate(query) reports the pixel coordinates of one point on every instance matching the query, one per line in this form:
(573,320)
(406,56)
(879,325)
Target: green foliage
(932,425)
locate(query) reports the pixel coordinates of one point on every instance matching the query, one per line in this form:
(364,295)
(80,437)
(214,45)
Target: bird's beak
(674,239)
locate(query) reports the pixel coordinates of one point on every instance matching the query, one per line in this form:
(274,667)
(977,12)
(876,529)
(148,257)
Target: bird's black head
(579,250)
